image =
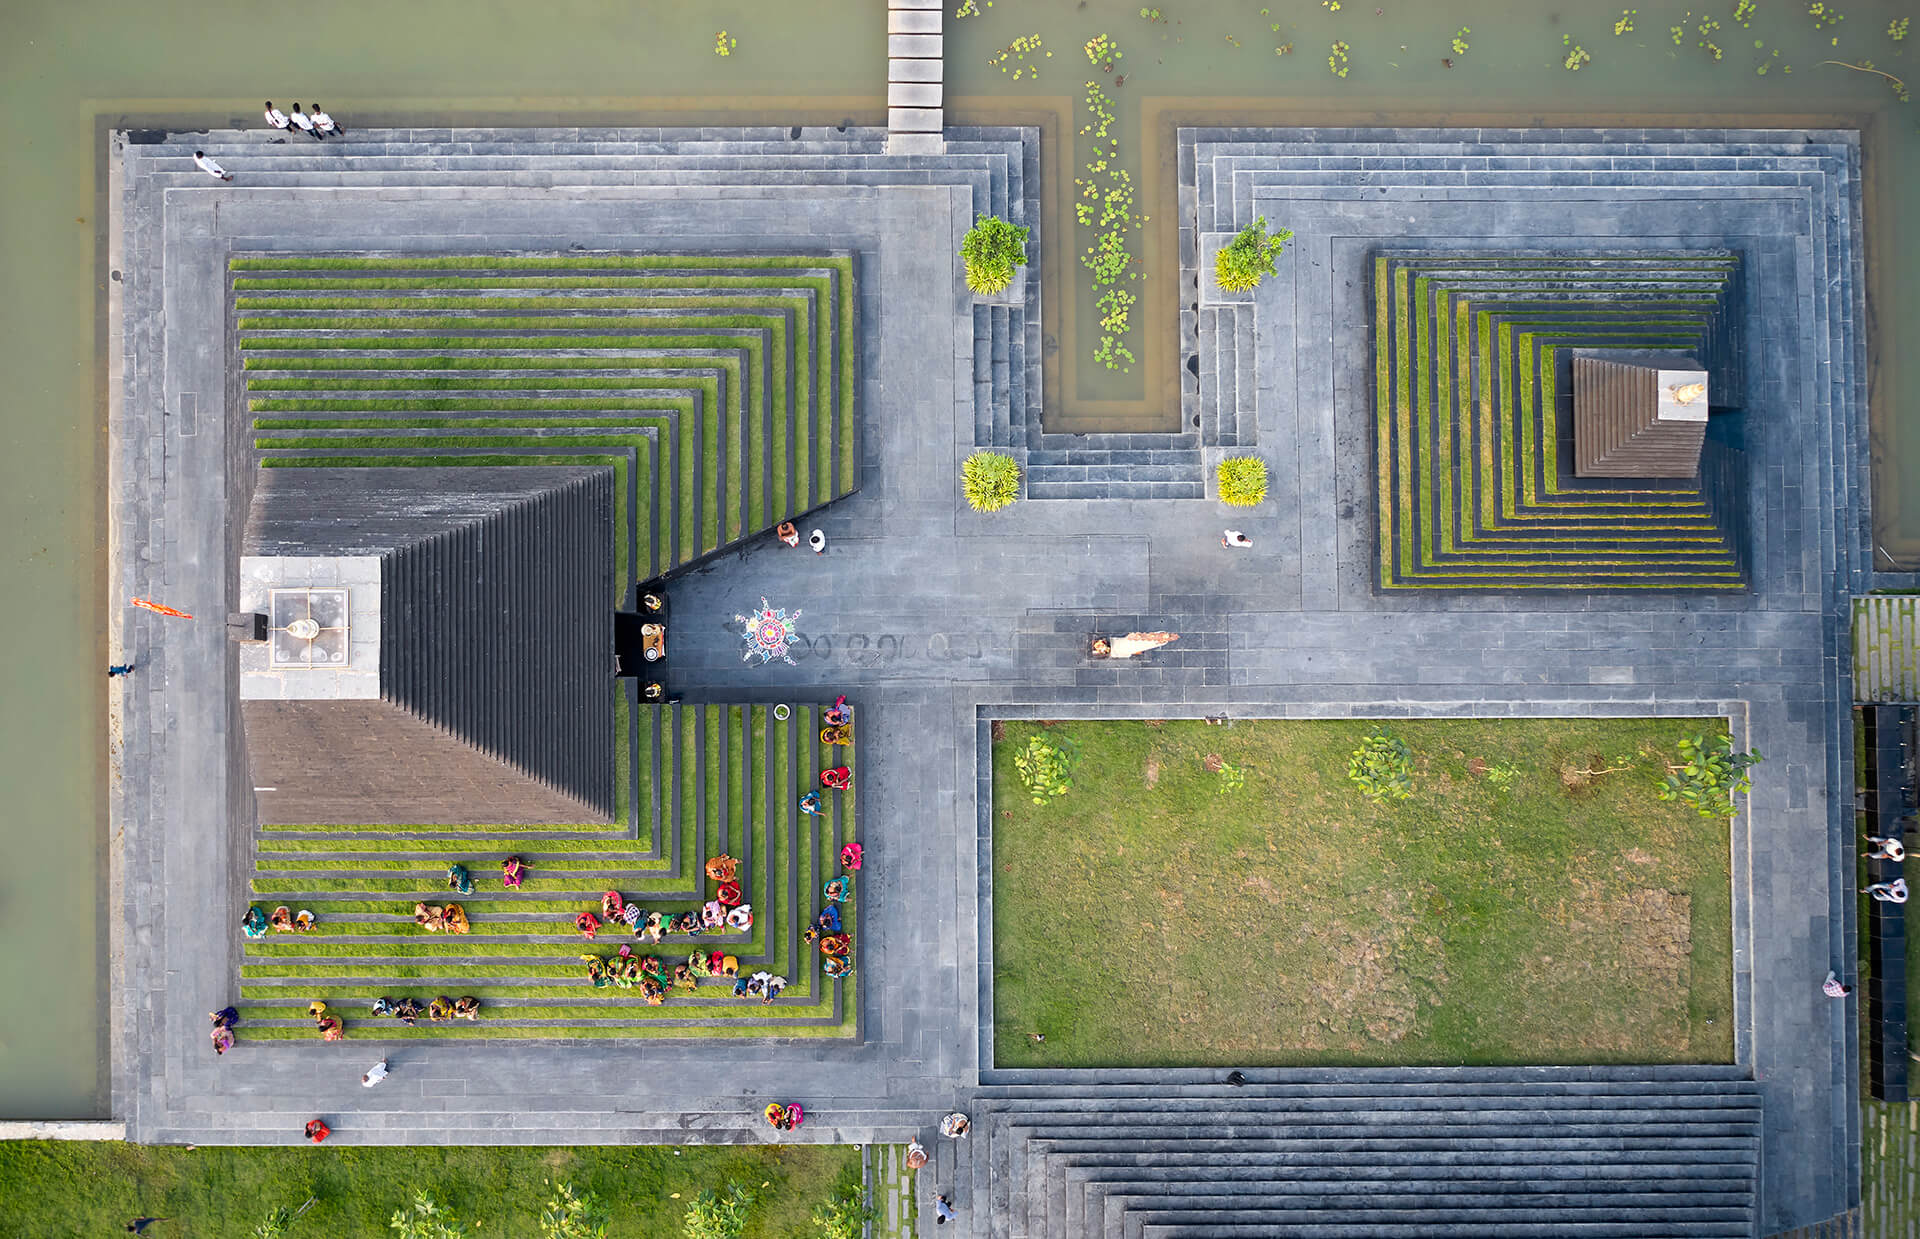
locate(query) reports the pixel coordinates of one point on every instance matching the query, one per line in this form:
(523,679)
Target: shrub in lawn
(845,1216)
(1243,480)
(719,1215)
(1708,775)
(992,249)
(426,1220)
(1382,768)
(1250,257)
(567,1216)
(1043,770)
(991,480)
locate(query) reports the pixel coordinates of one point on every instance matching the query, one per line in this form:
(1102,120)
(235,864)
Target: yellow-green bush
(1243,480)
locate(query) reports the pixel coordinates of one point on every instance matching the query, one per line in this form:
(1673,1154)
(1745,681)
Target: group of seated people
(328,1026)
(652,976)
(784,1118)
(717,915)
(436,919)
(440,1010)
(256,923)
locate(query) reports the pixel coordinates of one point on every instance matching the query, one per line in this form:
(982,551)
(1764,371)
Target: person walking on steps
(943,1210)
(114,669)
(1832,987)
(303,122)
(1886,848)
(818,541)
(323,124)
(375,1074)
(1889,892)
(210,167)
(275,116)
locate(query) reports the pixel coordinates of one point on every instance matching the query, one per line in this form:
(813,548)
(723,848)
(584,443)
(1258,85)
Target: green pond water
(69,71)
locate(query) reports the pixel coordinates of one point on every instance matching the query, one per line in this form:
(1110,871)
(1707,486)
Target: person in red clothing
(839,778)
(588,924)
(317,1130)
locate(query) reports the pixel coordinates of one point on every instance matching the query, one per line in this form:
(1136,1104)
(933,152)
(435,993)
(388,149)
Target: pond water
(69,71)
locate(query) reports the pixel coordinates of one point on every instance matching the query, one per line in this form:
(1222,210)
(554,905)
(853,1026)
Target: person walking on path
(943,1210)
(1886,848)
(275,116)
(1832,988)
(788,535)
(916,1154)
(955,1126)
(818,541)
(323,124)
(114,669)
(303,122)
(1234,539)
(1889,892)
(210,167)
(375,1074)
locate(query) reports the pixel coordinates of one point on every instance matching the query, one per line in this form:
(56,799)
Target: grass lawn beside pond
(1512,911)
(63,1189)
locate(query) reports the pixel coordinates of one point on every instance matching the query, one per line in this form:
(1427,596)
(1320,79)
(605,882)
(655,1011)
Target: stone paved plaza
(935,619)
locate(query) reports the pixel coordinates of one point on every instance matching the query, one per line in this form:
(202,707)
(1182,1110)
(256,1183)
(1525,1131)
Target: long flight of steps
(1421,1153)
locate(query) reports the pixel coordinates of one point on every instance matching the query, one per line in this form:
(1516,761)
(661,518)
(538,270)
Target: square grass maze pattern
(1473,481)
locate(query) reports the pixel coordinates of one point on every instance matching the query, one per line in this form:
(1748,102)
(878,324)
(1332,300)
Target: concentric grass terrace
(1472,357)
(720,390)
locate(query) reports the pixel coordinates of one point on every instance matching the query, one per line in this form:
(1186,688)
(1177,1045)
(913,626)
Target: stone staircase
(999,166)
(1224,173)
(1445,1153)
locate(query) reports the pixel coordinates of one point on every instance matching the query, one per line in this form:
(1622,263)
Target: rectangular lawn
(1515,910)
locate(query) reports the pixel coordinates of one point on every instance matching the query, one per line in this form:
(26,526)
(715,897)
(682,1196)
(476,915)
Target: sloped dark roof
(496,601)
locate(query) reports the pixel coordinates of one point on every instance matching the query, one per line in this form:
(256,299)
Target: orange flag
(151,605)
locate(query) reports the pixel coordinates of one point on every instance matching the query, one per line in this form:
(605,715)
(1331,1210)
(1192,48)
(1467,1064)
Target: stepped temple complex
(466,446)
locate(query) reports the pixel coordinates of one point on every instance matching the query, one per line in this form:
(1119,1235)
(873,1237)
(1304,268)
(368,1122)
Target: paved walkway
(933,618)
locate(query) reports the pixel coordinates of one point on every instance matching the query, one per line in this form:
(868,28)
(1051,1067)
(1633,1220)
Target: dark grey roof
(496,601)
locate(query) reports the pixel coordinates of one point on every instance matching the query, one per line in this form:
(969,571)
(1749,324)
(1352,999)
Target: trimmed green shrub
(991,480)
(845,1216)
(993,248)
(1708,775)
(719,1215)
(1043,770)
(1243,480)
(1250,257)
(1382,768)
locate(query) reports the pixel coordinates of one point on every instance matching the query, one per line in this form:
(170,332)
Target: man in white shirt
(209,167)
(374,1076)
(323,124)
(303,122)
(275,116)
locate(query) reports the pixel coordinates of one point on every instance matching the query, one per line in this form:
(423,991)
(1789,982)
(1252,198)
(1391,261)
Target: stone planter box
(1013,294)
(1211,243)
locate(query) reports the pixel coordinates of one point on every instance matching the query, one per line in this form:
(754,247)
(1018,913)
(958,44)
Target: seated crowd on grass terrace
(529,439)
(1475,421)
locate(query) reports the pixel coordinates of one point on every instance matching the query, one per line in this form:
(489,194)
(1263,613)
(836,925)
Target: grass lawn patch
(57,1189)
(1532,902)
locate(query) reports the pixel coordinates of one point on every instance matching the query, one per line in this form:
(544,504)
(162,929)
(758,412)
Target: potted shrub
(991,480)
(1249,258)
(1243,480)
(993,250)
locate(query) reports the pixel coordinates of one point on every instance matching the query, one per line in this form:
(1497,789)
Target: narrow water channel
(68,71)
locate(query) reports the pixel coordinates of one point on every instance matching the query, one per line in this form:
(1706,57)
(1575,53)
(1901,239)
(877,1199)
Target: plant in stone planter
(1249,258)
(991,480)
(1243,480)
(993,248)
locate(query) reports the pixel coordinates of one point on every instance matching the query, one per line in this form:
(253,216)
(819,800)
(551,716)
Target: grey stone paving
(936,618)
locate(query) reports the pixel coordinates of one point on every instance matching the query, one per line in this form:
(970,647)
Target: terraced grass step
(725,777)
